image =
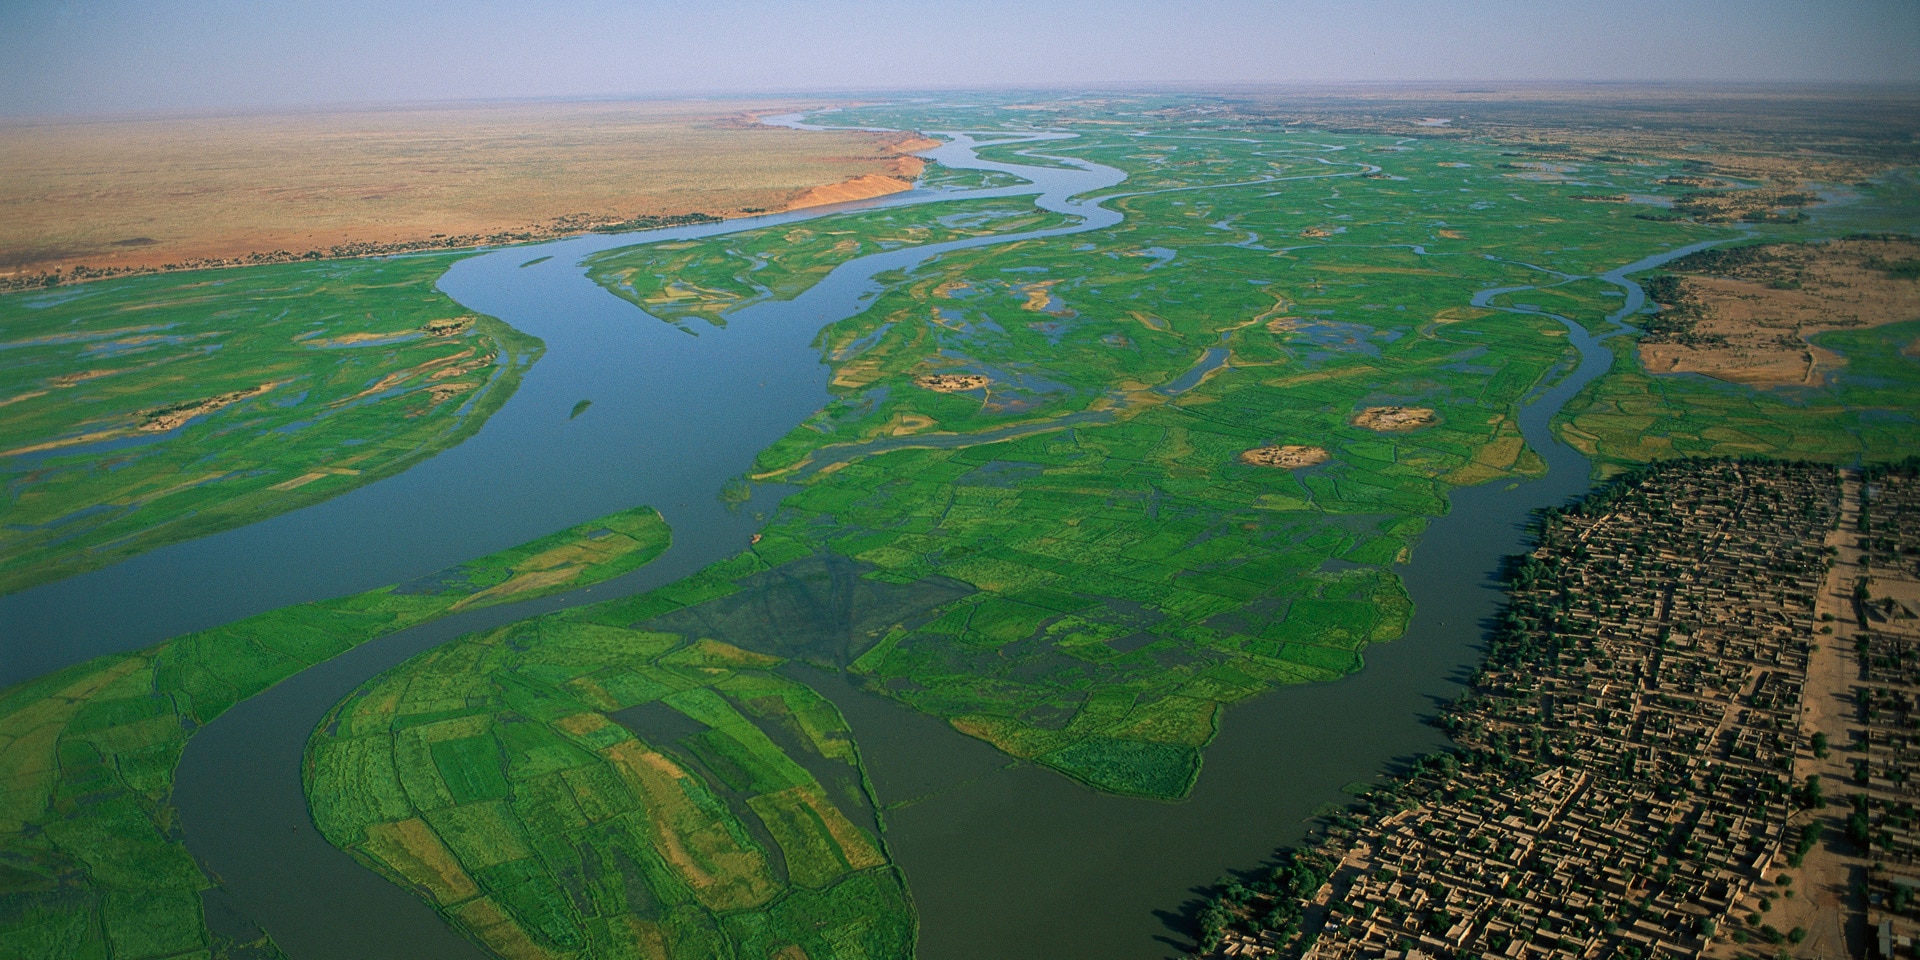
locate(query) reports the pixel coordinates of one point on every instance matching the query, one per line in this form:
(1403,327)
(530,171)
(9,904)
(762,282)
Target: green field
(145,411)
(573,787)
(91,860)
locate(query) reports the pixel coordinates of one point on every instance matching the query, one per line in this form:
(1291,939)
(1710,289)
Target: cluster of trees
(1271,903)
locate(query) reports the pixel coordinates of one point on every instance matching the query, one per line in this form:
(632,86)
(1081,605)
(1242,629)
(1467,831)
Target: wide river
(1004,860)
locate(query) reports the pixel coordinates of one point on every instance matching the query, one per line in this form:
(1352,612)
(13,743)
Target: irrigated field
(573,787)
(91,862)
(145,193)
(142,411)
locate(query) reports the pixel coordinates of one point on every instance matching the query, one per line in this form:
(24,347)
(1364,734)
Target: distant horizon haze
(94,57)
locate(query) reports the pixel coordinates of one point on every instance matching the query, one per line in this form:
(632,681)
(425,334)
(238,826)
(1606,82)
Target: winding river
(1005,860)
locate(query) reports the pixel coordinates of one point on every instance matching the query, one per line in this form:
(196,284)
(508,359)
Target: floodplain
(1079,495)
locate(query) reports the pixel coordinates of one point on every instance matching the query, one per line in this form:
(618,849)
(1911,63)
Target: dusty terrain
(1394,419)
(1746,316)
(902,170)
(1288,457)
(951,382)
(142,193)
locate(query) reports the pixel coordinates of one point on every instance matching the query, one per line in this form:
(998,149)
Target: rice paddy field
(1074,496)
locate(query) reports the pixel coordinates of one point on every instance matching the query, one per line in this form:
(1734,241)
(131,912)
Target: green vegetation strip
(706,279)
(145,411)
(91,862)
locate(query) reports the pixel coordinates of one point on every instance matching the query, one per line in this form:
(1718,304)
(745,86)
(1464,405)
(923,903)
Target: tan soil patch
(909,168)
(71,379)
(412,849)
(300,481)
(1316,232)
(1038,296)
(353,339)
(447,328)
(162,419)
(951,382)
(1394,419)
(1287,457)
(441,391)
(95,191)
(863,187)
(1749,331)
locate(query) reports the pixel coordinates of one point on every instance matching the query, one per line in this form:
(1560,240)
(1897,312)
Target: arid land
(134,194)
(1748,315)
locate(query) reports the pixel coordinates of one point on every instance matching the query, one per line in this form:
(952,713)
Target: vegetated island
(145,411)
(89,838)
(1690,737)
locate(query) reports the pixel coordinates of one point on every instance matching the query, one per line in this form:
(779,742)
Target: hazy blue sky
(116,55)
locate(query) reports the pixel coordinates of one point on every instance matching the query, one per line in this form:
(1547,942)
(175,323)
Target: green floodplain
(142,412)
(1062,551)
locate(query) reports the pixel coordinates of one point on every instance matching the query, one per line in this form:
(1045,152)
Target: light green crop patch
(732,798)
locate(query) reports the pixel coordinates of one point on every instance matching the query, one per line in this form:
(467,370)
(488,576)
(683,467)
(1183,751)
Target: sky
(118,56)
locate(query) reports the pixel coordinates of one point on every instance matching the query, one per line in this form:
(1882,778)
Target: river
(1004,860)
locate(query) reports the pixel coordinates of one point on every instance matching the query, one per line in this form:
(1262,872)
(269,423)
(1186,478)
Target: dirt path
(1822,884)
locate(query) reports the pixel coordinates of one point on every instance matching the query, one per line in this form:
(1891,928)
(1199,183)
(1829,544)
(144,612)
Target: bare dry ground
(148,192)
(1747,318)
(1288,457)
(1394,419)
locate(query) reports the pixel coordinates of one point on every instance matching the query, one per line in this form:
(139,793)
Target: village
(1693,736)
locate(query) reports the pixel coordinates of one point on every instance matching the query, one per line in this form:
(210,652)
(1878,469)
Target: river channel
(1004,860)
